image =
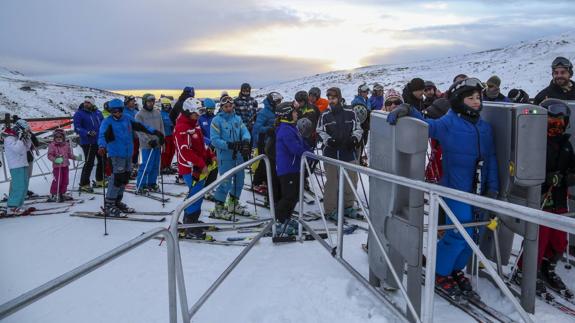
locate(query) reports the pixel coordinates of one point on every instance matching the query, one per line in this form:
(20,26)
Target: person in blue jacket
(264,128)
(469,164)
(87,122)
(116,140)
(290,146)
(361,97)
(376,99)
(206,120)
(169,146)
(231,139)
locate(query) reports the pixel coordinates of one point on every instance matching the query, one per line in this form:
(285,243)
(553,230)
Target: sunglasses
(390,103)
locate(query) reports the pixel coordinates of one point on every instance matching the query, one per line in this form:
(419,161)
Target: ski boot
(30,194)
(234,206)
(449,287)
(53,198)
(66,197)
(99,184)
(180,180)
(261,189)
(553,280)
(124,208)
(86,189)
(352,213)
(221,212)
(464,285)
(540,289)
(288,228)
(197,234)
(153,188)
(110,209)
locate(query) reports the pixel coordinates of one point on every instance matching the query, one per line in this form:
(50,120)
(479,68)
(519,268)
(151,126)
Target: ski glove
(102,151)
(58,160)
(236,145)
(246,150)
(92,133)
(333,143)
(554,179)
(153,143)
(401,111)
(160,136)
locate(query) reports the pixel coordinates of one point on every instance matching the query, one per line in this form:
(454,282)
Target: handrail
(55,284)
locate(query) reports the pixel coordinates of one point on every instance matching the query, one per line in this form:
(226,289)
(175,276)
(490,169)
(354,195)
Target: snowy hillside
(525,65)
(30,98)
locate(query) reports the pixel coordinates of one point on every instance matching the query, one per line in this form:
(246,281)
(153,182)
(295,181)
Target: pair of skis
(33,211)
(161,216)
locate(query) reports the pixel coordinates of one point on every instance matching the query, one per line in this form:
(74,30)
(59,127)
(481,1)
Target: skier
(469,165)
(17,142)
(413,93)
(315,98)
(289,147)
(560,175)
(561,87)
(492,92)
(193,161)
(518,96)
(392,100)
(187,92)
(340,132)
(130,111)
(87,122)
(232,141)
(30,154)
(150,166)
(246,106)
(361,97)
(169,147)
(116,139)
(263,128)
(376,99)
(59,153)
(205,121)
(430,93)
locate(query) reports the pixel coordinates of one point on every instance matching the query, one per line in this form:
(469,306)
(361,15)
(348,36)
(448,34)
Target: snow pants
(90,156)
(18,186)
(149,168)
(60,181)
(193,188)
(233,185)
(121,168)
(331,188)
(290,193)
(169,151)
(453,252)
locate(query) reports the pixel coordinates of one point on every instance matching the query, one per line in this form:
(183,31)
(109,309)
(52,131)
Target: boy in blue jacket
(205,121)
(116,138)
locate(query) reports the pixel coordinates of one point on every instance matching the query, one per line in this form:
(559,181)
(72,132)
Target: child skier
(169,147)
(150,166)
(59,153)
(193,161)
(232,140)
(205,121)
(116,139)
(17,142)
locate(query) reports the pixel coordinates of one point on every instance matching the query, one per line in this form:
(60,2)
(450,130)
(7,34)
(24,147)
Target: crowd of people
(205,144)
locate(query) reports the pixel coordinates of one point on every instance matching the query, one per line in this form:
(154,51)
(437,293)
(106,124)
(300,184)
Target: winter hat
(416,84)
(518,96)
(192,105)
(430,84)
(494,80)
(90,100)
(59,132)
(209,103)
(562,62)
(22,124)
(115,104)
(166,102)
(437,109)
(224,93)
(392,94)
(189,90)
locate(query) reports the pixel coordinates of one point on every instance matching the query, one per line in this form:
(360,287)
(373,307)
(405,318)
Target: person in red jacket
(193,161)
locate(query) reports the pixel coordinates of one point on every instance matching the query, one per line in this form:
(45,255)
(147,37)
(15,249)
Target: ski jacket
(264,121)
(463,143)
(130,113)
(85,121)
(358,99)
(339,123)
(152,119)
(117,135)
(322,104)
(192,153)
(434,169)
(554,91)
(290,146)
(168,124)
(15,149)
(376,102)
(62,149)
(226,128)
(205,121)
(246,107)
(560,159)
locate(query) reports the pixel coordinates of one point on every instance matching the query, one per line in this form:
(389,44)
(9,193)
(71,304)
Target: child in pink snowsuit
(60,152)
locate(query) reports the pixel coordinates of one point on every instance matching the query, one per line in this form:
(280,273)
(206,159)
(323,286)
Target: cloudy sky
(127,44)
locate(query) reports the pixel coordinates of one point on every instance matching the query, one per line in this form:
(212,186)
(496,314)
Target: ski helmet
(360,112)
(274,98)
(284,111)
(146,98)
(377,87)
(459,90)
(562,62)
(189,91)
(22,124)
(166,103)
(209,103)
(301,96)
(315,91)
(429,84)
(557,108)
(305,127)
(191,105)
(245,86)
(518,96)
(363,88)
(115,104)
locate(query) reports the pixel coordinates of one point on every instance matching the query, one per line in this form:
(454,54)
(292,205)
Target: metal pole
(431,258)
(300,198)
(319,204)
(341,186)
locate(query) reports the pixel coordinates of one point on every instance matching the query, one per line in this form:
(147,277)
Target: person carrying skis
(150,166)
(59,153)
(193,161)
(246,106)
(169,147)
(87,122)
(232,140)
(314,95)
(561,86)
(289,147)
(376,99)
(493,92)
(17,142)
(263,128)
(116,140)
(469,165)
(205,121)
(341,133)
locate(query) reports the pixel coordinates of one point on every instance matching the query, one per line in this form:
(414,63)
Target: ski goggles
(226,99)
(561,62)
(378,87)
(558,110)
(276,97)
(364,88)
(129,98)
(470,82)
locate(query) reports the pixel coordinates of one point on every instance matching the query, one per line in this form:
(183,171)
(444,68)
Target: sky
(129,44)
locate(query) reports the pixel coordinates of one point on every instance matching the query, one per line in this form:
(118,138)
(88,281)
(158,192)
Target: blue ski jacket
(86,121)
(290,146)
(168,125)
(376,102)
(117,135)
(226,128)
(264,121)
(360,100)
(205,122)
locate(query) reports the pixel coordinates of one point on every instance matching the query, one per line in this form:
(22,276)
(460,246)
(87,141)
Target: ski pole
(58,183)
(162,179)
(254,193)
(104,192)
(567,255)
(145,168)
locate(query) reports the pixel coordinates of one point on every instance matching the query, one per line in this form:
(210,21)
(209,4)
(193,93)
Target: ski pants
(149,168)
(60,181)
(90,156)
(453,252)
(290,193)
(331,188)
(121,168)
(233,185)
(169,151)
(136,151)
(193,187)
(18,186)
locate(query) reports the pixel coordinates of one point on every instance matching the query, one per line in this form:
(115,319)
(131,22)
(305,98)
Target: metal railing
(437,194)
(55,284)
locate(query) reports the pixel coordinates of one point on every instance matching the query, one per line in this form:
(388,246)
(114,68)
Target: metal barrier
(48,288)
(437,194)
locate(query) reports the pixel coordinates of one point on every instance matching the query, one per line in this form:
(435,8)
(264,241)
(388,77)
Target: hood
(267,105)
(409,98)
(182,119)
